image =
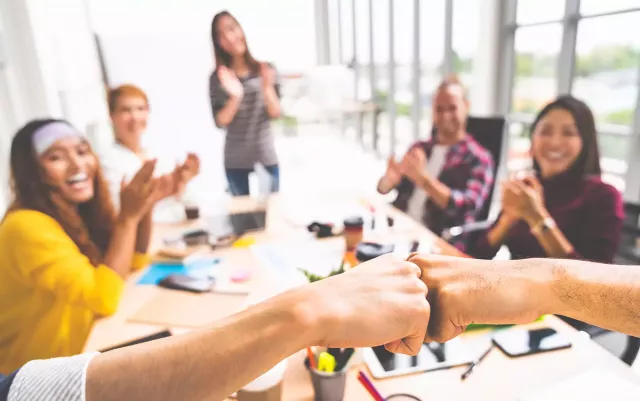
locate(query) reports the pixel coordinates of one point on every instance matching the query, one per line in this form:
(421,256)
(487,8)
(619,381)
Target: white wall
(165,48)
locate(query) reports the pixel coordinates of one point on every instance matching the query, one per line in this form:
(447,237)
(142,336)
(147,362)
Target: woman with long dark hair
(65,252)
(245,96)
(564,210)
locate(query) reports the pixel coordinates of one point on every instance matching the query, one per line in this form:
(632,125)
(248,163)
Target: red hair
(126,90)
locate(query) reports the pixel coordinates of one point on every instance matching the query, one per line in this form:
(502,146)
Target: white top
(120,162)
(434,165)
(55,379)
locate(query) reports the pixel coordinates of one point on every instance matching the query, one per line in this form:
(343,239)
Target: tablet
(432,356)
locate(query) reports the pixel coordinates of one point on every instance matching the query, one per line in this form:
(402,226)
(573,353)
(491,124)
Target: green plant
(314,277)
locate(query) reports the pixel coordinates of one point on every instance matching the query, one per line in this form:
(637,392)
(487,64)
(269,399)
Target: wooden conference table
(146,309)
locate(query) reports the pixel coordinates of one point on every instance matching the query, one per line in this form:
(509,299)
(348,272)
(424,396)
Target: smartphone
(433,356)
(187,283)
(518,342)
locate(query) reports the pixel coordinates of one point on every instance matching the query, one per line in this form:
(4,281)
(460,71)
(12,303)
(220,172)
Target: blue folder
(156,272)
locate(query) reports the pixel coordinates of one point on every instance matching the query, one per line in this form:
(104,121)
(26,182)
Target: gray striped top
(249,139)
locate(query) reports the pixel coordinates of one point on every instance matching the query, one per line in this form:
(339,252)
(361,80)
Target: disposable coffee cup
(267,387)
(327,386)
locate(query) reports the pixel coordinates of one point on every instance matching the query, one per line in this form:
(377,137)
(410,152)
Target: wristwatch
(543,226)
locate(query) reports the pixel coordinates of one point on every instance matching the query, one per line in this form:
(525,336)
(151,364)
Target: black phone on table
(187,283)
(518,342)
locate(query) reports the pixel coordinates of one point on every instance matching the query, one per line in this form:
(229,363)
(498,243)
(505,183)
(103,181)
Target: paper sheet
(595,384)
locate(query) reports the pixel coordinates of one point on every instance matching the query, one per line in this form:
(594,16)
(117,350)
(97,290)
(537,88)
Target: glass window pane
(607,58)
(530,11)
(403,41)
(362,31)
(347,30)
(432,21)
(589,7)
(537,50)
(334,32)
(465,30)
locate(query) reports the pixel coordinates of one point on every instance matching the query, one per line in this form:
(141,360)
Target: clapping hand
(185,172)
(230,82)
(523,198)
(413,165)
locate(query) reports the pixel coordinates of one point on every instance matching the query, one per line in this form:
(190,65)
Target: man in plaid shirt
(445,181)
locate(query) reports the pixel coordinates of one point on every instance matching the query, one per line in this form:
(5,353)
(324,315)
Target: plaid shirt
(468,172)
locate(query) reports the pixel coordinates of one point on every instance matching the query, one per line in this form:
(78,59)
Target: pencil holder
(327,386)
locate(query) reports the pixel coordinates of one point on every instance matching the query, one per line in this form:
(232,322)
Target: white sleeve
(58,379)
(113,173)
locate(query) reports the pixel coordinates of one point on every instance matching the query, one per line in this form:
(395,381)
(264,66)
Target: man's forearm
(607,296)
(437,191)
(210,364)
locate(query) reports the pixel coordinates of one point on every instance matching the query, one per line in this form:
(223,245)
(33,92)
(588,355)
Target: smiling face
(556,142)
(450,111)
(130,118)
(231,36)
(70,167)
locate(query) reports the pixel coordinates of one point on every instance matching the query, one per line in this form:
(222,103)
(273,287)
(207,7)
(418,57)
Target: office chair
(488,132)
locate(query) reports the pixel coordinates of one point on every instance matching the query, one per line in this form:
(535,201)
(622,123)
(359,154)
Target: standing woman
(245,96)
(65,254)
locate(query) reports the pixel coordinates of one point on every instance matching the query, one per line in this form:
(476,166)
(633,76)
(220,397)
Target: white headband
(47,135)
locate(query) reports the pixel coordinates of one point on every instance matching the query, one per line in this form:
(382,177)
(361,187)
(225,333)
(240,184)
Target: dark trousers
(238,179)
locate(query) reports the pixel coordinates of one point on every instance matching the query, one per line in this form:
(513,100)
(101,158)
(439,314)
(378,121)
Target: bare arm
(514,292)
(212,363)
(607,296)
(143,234)
(122,245)
(228,112)
(208,364)
(438,192)
(498,234)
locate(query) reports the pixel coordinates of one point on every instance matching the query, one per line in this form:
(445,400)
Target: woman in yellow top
(64,251)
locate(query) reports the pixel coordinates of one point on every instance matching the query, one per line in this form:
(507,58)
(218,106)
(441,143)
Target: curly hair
(89,224)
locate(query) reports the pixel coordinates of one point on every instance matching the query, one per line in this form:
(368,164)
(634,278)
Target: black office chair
(488,132)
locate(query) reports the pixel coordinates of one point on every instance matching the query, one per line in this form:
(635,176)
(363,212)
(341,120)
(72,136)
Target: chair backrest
(488,132)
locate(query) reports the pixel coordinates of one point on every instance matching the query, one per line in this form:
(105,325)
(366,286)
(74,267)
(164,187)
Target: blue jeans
(238,179)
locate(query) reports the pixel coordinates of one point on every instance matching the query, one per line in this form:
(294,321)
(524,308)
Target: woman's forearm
(552,240)
(272,102)
(228,112)
(122,245)
(211,363)
(143,235)
(498,234)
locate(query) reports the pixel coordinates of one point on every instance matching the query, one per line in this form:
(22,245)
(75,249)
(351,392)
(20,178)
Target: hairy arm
(607,296)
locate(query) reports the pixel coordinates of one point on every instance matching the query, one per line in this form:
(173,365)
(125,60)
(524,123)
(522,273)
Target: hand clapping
(413,165)
(523,198)
(230,82)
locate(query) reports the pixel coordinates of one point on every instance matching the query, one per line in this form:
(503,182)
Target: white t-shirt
(120,162)
(434,165)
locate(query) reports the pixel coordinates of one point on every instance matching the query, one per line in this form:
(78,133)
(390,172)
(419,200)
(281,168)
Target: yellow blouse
(50,293)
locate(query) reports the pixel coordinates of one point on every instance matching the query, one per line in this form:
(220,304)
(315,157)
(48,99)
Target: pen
(369,386)
(312,358)
(474,363)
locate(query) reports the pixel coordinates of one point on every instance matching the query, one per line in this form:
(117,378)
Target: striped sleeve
(471,199)
(58,379)
(217,96)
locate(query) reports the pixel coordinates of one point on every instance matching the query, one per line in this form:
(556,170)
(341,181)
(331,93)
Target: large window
(536,61)
(596,46)
(465,30)
(432,25)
